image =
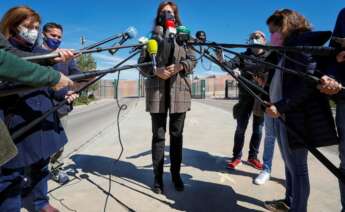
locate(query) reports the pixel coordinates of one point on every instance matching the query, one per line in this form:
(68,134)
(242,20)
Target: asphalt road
(92,152)
(87,122)
(227,105)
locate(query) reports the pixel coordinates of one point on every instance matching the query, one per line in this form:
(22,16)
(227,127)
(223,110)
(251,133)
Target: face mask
(52,43)
(276,39)
(164,17)
(29,35)
(255,41)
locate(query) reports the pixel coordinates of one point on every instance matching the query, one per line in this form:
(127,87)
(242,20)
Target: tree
(86,62)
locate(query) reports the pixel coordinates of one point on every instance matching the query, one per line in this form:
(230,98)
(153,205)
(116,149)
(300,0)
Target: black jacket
(248,69)
(307,111)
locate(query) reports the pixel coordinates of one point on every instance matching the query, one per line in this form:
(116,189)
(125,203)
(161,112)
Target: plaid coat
(180,84)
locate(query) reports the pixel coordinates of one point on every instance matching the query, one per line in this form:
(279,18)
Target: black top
(169,52)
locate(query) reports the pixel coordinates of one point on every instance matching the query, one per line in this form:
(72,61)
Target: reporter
(65,54)
(301,105)
(52,38)
(13,68)
(169,91)
(247,105)
(337,69)
(20,25)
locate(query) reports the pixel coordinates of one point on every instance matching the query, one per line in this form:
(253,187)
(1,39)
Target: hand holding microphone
(329,86)
(64,55)
(63,82)
(272,111)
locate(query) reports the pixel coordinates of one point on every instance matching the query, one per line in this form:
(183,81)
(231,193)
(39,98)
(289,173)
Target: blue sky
(223,20)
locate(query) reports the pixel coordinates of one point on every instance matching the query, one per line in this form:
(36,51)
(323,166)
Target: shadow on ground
(207,162)
(198,195)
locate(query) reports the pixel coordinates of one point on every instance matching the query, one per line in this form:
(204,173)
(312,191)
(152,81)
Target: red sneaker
(49,208)
(234,163)
(255,163)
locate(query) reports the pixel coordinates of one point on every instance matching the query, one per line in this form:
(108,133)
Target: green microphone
(182,35)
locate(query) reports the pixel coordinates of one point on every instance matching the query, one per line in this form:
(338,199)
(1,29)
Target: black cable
(113,163)
(61,202)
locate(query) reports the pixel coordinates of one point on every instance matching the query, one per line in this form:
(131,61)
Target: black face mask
(165,16)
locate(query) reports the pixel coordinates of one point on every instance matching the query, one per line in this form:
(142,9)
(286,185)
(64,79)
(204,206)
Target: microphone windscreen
(132,32)
(183,29)
(159,30)
(152,47)
(143,40)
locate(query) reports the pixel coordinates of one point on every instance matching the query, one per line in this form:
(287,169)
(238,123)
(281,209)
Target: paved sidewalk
(210,186)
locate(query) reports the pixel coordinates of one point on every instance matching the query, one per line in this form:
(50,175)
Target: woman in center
(168,91)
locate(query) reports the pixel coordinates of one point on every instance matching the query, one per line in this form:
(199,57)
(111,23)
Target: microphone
(183,35)
(152,49)
(170,28)
(130,33)
(142,40)
(158,33)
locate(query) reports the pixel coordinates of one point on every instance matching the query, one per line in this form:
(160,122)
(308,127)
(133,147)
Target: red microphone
(170,28)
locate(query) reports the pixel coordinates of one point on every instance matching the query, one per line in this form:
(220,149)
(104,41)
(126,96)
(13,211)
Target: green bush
(83,100)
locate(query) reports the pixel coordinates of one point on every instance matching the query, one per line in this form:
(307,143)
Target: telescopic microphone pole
(18,133)
(131,32)
(315,50)
(325,161)
(240,79)
(205,53)
(13,89)
(88,51)
(308,77)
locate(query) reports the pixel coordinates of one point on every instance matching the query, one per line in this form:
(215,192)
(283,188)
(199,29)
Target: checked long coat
(180,84)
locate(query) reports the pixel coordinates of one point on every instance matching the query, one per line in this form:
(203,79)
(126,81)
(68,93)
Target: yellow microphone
(152,49)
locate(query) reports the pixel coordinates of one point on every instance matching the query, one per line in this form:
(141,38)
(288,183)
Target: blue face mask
(52,43)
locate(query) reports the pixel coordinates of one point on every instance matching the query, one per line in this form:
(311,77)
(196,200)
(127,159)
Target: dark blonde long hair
(290,22)
(174,7)
(14,17)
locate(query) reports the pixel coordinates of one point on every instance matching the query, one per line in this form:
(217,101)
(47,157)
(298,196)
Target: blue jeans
(12,201)
(242,123)
(296,171)
(38,196)
(270,137)
(340,119)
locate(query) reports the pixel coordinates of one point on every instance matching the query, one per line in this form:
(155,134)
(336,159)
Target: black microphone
(158,33)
